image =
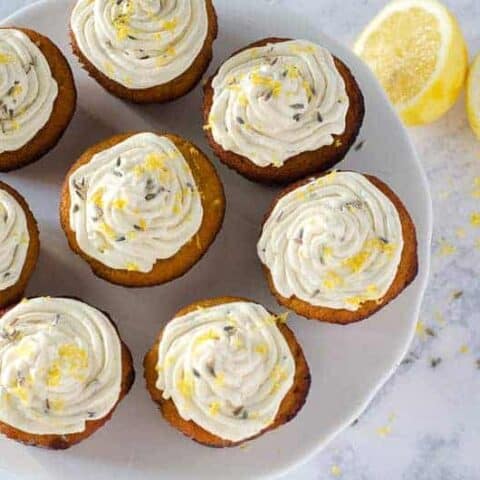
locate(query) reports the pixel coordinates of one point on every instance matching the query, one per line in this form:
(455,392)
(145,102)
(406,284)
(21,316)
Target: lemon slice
(418,53)
(473,96)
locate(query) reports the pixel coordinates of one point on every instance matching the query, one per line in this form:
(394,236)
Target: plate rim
(421,281)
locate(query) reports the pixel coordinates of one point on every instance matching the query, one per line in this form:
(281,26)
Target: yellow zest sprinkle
(107,230)
(138,170)
(308,89)
(302,48)
(335,471)
(447,249)
(461,233)
(73,357)
(132,267)
(356,262)
(238,343)
(205,337)
(142,224)
(131,235)
(185,386)
(420,329)
(120,203)
(25,349)
(154,161)
(220,379)
(475,219)
(56,404)
(170,25)
(214,408)
(372,290)
(5,58)
(109,70)
(355,301)
(261,348)
(261,80)
(332,280)
(20,392)
(464,349)
(17,90)
(97,197)
(327,252)
(283,317)
(292,71)
(54,375)
(384,431)
(338,143)
(242,100)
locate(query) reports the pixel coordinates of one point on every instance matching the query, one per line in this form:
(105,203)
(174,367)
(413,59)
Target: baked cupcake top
(140,44)
(27,90)
(334,242)
(135,203)
(273,102)
(14,240)
(227,368)
(60,365)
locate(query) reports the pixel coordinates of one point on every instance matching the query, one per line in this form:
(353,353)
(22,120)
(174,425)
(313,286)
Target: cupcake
(338,247)
(144,52)
(142,208)
(63,371)
(37,96)
(280,110)
(19,245)
(225,370)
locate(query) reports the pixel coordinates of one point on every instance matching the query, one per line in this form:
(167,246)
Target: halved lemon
(417,51)
(473,96)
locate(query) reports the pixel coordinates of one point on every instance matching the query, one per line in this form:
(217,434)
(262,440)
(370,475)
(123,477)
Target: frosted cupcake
(279,110)
(143,208)
(225,370)
(19,245)
(37,96)
(63,371)
(338,247)
(152,51)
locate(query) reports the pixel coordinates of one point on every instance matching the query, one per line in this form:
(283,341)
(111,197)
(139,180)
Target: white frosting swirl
(60,365)
(271,103)
(135,203)
(226,367)
(335,242)
(14,240)
(140,43)
(27,90)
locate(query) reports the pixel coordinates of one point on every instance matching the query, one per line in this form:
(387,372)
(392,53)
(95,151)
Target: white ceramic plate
(348,364)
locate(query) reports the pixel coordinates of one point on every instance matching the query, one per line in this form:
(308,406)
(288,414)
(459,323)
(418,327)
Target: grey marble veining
(425,423)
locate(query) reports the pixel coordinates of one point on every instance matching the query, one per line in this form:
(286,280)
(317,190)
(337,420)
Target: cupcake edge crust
(15,292)
(164,270)
(406,273)
(63,109)
(290,406)
(305,163)
(172,90)
(63,442)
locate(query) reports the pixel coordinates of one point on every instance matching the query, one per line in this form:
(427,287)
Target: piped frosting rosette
(60,365)
(27,90)
(135,203)
(273,102)
(14,240)
(335,242)
(140,43)
(226,367)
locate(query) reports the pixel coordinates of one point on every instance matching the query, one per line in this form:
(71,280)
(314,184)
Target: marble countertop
(425,422)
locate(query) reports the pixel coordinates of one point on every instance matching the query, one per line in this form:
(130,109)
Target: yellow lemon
(473,96)
(417,51)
